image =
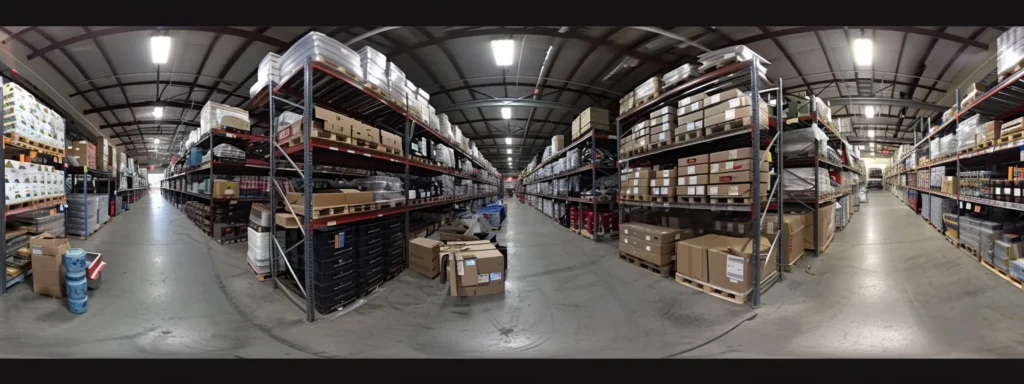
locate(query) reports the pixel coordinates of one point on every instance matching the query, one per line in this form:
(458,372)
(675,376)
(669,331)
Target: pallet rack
(1004,100)
(594,168)
(743,74)
(25,150)
(321,83)
(86,175)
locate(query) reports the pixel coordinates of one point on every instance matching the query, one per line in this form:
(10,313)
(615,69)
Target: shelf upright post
(956,126)
(85,199)
(755,130)
(593,184)
(3,209)
(307,185)
(272,185)
(213,212)
(817,181)
(780,169)
(618,162)
(406,148)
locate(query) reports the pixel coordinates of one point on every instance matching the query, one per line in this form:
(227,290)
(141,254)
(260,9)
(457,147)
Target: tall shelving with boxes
(695,152)
(335,240)
(575,184)
(33,152)
(966,175)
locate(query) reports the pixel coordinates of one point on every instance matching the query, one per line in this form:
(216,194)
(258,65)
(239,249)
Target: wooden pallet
(692,199)
(639,103)
(586,234)
(1010,137)
(791,266)
(393,151)
(32,144)
(1001,273)
(259,276)
(970,252)
(376,89)
(727,126)
(319,212)
(730,200)
(630,197)
(29,203)
(663,271)
(318,134)
(663,199)
(1009,72)
(952,241)
(391,204)
(733,297)
(367,144)
(692,135)
(651,147)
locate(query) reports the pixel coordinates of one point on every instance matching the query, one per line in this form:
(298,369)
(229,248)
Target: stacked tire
(75,270)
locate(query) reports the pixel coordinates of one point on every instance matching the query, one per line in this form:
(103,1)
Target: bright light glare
(871,133)
(508,140)
(508,151)
(156,141)
(510,160)
(506,113)
(158,112)
(503,52)
(861,146)
(869,111)
(872,145)
(863,51)
(160,48)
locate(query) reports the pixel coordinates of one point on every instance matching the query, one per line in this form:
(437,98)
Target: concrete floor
(889,286)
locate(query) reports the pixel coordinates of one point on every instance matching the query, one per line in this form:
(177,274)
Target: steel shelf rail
(583,138)
(568,173)
(741,74)
(574,199)
(321,84)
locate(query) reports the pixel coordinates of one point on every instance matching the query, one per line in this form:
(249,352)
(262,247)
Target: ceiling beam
(534,31)
(145,104)
(158,83)
(876,101)
(914,30)
(534,121)
(510,102)
(150,122)
(524,85)
(252,36)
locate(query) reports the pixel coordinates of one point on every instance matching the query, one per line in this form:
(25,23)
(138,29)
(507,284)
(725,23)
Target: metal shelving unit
(594,169)
(736,75)
(87,175)
(321,84)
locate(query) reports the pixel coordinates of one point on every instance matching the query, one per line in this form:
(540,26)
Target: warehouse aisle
(890,286)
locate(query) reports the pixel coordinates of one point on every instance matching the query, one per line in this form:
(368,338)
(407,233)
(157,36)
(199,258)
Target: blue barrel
(74,260)
(76,284)
(78,305)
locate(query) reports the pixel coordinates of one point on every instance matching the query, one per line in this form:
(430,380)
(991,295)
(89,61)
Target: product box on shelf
(626,104)
(826,227)
(692,256)
(366,133)
(84,152)
(594,118)
(694,160)
(342,197)
(651,243)
(738,113)
(735,190)
(734,154)
(737,165)
(225,189)
(215,115)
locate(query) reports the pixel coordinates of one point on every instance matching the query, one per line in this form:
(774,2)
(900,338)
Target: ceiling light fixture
(510,160)
(508,141)
(158,112)
(506,113)
(871,133)
(156,141)
(160,48)
(508,151)
(869,112)
(863,51)
(503,52)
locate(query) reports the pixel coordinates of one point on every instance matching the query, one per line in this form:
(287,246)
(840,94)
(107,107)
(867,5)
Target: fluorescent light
(156,141)
(508,151)
(872,146)
(869,111)
(861,146)
(510,160)
(871,133)
(503,52)
(160,48)
(506,113)
(158,112)
(863,51)
(508,140)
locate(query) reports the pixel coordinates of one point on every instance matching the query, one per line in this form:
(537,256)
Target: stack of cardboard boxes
(662,126)
(592,118)
(474,268)
(692,179)
(83,152)
(732,174)
(651,243)
(636,182)
(636,140)
(691,119)
(731,109)
(725,262)
(344,128)
(425,256)
(792,239)
(663,183)
(48,264)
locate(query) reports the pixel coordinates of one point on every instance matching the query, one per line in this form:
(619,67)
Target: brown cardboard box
(690,117)
(736,114)
(472,273)
(694,160)
(641,173)
(722,97)
(664,119)
(733,103)
(792,239)
(639,182)
(47,264)
(738,177)
(651,233)
(670,173)
(663,182)
(331,199)
(949,185)
(692,256)
(734,190)
(692,190)
(692,180)
(640,191)
(366,133)
(663,127)
(826,227)
(424,256)
(666,110)
(691,101)
(225,189)
(657,254)
(730,263)
(698,169)
(576,128)
(663,191)
(391,140)
(330,121)
(733,154)
(47,244)
(664,137)
(594,116)
(736,165)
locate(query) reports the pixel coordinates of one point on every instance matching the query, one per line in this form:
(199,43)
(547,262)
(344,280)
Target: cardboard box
(391,140)
(638,182)
(640,191)
(792,239)
(694,160)
(557,143)
(576,128)
(331,199)
(475,272)
(693,101)
(662,127)
(737,114)
(698,169)
(663,182)
(734,190)
(225,189)
(641,173)
(48,264)
(692,190)
(826,227)
(664,137)
(49,245)
(652,234)
(721,97)
(663,191)
(692,180)
(733,103)
(949,185)
(730,263)
(597,117)
(665,119)
(366,133)
(425,256)
(737,165)
(663,111)
(671,173)
(690,117)
(692,256)
(738,177)
(733,154)
(651,243)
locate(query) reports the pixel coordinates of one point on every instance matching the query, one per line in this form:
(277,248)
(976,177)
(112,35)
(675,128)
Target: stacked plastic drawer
(939,207)
(394,248)
(926,206)
(370,257)
(335,274)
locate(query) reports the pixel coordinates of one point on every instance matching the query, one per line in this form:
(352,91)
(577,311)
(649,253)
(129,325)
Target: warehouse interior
(510,192)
